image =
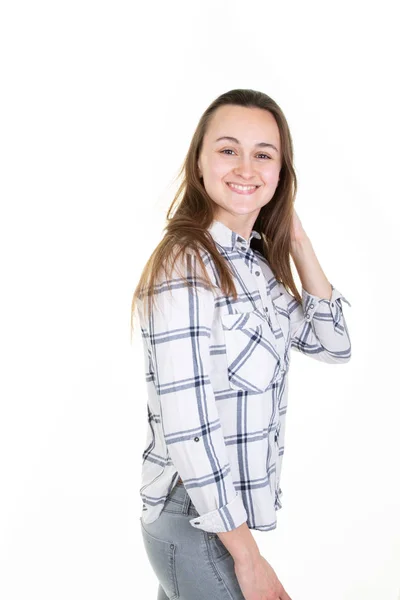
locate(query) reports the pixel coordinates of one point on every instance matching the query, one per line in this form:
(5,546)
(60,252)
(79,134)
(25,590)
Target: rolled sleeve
(312,304)
(178,331)
(318,327)
(226,518)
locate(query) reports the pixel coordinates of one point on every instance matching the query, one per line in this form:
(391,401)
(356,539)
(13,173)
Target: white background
(99,101)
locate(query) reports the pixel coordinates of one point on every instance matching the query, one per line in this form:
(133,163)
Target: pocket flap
(246,320)
(280,301)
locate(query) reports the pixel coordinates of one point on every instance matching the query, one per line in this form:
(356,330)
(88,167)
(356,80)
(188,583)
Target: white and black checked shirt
(216,376)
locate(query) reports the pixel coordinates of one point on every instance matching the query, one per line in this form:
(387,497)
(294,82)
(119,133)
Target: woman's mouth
(242,189)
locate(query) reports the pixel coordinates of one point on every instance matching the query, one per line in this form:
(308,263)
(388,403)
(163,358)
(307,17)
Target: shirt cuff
(225,518)
(331,308)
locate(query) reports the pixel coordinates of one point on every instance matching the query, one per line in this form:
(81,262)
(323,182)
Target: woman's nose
(245,167)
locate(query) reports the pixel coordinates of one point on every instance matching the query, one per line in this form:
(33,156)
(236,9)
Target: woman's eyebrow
(236,141)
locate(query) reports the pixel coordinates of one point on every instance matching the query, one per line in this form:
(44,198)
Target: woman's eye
(227,150)
(230,150)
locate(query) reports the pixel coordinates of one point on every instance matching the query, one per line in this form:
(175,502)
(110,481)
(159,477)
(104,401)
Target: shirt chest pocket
(251,351)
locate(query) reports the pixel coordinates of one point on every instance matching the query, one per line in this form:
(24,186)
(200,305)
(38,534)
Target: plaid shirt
(216,376)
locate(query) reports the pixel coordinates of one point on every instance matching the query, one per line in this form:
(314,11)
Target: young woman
(219,313)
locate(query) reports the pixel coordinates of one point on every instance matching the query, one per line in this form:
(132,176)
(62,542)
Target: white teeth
(242,187)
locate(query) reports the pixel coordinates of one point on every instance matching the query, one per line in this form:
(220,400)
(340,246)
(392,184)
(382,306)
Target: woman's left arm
(318,327)
(312,277)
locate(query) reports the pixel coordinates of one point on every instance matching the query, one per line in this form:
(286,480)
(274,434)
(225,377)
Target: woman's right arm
(256,578)
(240,543)
(177,332)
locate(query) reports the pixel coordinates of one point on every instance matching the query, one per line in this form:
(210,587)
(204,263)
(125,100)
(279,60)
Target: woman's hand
(297,233)
(258,580)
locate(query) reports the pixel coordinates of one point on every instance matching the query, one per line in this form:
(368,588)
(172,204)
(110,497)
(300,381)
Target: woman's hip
(190,563)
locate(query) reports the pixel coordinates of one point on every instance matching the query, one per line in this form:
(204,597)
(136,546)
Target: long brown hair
(186,228)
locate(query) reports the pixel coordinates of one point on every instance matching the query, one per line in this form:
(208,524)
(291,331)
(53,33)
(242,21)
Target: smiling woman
(240,166)
(219,313)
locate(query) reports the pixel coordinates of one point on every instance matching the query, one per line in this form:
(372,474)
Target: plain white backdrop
(99,101)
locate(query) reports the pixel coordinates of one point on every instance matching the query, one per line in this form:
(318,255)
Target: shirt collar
(228,239)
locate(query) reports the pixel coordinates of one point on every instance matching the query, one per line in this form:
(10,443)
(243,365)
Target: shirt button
(171,546)
(311,305)
(196,439)
(332,304)
(308,316)
(257,273)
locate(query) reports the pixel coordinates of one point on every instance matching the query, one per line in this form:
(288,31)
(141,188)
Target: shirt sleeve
(318,327)
(177,332)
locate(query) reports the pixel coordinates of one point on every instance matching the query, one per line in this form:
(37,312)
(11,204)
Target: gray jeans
(189,563)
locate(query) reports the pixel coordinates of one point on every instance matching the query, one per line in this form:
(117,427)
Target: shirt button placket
(308,315)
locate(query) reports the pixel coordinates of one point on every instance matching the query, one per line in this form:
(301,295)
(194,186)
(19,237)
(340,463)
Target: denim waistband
(179,502)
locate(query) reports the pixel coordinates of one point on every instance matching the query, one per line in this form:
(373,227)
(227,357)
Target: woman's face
(253,158)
